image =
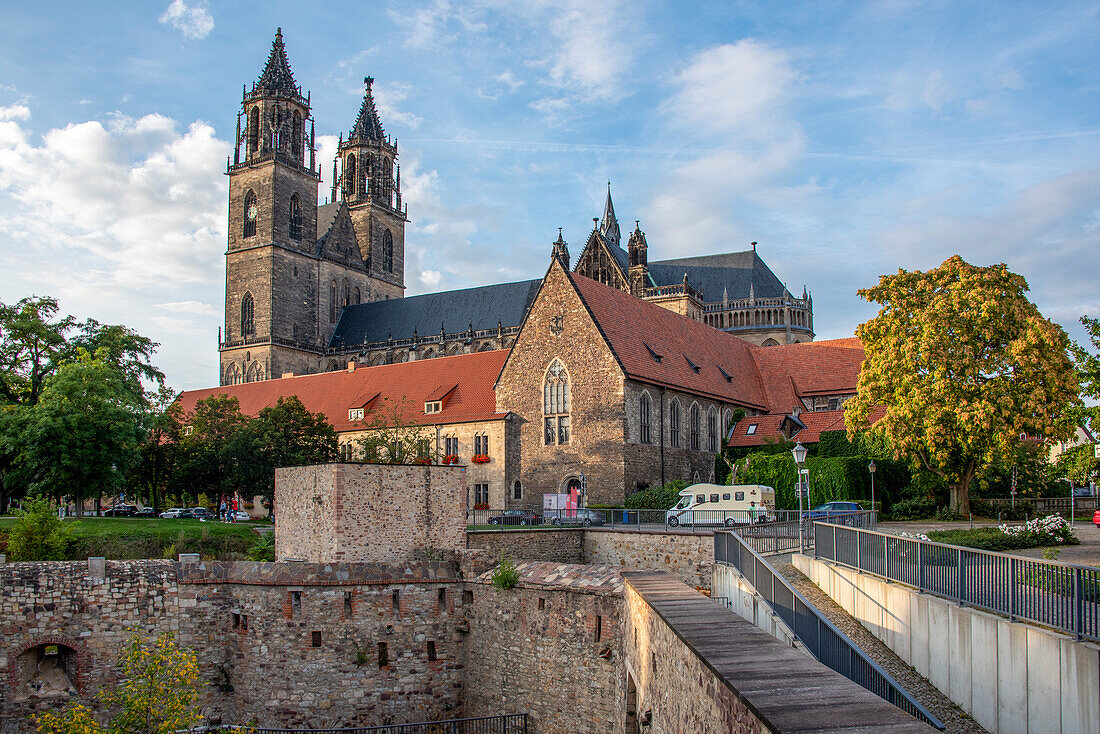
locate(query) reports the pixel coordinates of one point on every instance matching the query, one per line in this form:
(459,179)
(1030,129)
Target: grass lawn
(124,537)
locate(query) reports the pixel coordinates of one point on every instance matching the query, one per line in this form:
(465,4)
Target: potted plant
(480,458)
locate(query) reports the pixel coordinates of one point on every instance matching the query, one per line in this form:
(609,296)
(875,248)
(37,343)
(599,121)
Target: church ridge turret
(561,250)
(609,225)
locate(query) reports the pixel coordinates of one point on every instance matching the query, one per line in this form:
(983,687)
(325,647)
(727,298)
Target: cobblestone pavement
(956,720)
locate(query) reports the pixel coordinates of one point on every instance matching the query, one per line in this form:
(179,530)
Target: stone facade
(559,327)
(368,512)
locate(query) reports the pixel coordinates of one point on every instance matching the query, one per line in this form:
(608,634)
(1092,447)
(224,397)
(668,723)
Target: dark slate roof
(276,75)
(733,272)
(484,307)
(326,215)
(367,126)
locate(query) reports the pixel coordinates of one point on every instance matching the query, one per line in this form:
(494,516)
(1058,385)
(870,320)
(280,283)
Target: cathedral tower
(370,184)
(270,291)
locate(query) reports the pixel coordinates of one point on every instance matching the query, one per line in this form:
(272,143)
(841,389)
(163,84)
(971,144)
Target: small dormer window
(355,414)
(433,406)
(656,357)
(694,367)
(725,374)
(751,430)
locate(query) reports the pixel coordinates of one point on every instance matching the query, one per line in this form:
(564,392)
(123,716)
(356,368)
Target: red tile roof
(637,330)
(790,371)
(334,393)
(816,422)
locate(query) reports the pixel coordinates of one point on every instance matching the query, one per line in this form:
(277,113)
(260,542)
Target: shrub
(39,534)
(505,576)
(1047,531)
(264,548)
(656,498)
(915,508)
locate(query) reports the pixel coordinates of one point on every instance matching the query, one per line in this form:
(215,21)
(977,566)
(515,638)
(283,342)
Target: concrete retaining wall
(1013,678)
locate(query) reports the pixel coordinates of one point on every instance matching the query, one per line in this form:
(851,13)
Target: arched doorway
(46,670)
(632,724)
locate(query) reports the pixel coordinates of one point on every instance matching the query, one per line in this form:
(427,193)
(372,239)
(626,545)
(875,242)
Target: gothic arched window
(387,181)
(387,251)
(347,293)
(694,427)
(674,424)
(332,303)
(712,431)
(556,404)
(643,419)
(349,178)
(233,375)
(248,312)
(727,424)
(250,213)
(253,131)
(364,177)
(296,138)
(358,300)
(295,217)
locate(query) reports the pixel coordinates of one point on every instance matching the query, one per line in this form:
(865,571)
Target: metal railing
(826,643)
(708,520)
(1064,596)
(502,724)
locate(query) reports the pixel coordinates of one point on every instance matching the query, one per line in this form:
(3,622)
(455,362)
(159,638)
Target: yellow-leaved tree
(963,364)
(158,693)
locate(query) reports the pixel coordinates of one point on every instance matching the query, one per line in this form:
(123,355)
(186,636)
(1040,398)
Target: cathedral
(310,286)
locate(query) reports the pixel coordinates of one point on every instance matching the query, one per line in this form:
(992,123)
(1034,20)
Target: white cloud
(387,97)
(193,22)
(15,112)
(732,102)
(430,278)
(120,219)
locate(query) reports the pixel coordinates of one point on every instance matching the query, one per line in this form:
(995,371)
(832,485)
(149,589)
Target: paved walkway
(955,719)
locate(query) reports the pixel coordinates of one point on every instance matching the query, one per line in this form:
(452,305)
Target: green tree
(81,438)
(393,438)
(158,692)
(964,364)
(284,434)
(209,450)
(159,449)
(38,535)
(1080,463)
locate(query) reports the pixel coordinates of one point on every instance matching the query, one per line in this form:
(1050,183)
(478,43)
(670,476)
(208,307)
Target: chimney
(351,366)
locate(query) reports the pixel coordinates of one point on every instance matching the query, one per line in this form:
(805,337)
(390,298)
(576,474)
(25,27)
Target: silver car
(581,516)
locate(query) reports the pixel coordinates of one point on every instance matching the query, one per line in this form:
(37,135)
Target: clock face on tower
(253,211)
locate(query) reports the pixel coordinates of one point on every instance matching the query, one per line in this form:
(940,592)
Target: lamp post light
(799,454)
(871,468)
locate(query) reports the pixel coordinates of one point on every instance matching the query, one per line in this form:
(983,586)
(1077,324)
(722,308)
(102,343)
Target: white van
(714,504)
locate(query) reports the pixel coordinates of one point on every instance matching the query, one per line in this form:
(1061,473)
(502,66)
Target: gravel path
(956,720)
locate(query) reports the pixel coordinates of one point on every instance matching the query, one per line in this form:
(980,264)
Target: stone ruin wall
(368,512)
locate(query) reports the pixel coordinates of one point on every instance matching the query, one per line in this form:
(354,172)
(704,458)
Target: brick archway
(80,666)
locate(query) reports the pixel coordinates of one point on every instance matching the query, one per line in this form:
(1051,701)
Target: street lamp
(871,468)
(799,454)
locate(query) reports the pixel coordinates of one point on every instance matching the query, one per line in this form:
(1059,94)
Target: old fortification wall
(688,557)
(550,648)
(368,512)
(288,644)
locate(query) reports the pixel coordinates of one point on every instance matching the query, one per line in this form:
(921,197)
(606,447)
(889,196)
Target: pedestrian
(752,511)
(223,511)
(233,516)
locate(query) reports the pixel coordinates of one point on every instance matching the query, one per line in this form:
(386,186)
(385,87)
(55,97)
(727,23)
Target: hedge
(832,478)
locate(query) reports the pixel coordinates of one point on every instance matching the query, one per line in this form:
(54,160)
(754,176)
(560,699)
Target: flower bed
(1047,531)
(480,458)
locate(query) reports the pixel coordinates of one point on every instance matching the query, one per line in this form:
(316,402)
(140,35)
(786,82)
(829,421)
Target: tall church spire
(367,125)
(609,225)
(276,76)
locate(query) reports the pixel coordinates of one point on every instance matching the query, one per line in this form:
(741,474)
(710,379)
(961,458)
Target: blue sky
(848,139)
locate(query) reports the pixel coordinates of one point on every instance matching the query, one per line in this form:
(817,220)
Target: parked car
(202,513)
(242,516)
(582,516)
(120,511)
(832,511)
(144,512)
(516,517)
(172,513)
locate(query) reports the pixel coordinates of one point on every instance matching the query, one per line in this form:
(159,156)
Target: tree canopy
(964,365)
